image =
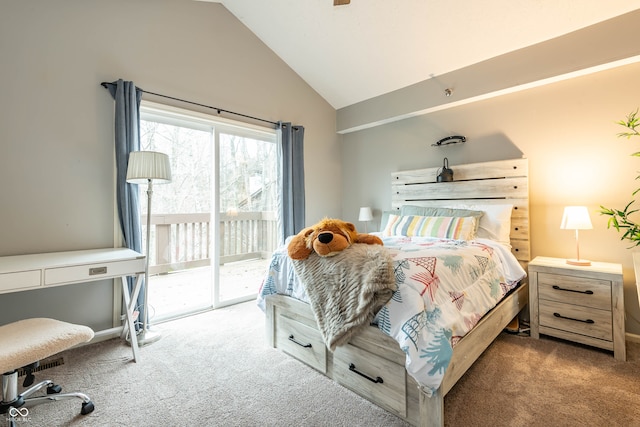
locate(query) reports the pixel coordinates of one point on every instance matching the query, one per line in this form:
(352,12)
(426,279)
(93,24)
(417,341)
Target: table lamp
(366,216)
(576,218)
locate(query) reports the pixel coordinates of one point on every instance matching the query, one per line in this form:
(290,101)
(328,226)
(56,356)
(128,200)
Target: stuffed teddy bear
(327,238)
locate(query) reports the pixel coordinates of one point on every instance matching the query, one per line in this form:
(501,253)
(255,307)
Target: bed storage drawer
(375,378)
(302,342)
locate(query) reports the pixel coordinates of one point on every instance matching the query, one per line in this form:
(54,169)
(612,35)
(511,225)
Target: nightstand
(576,303)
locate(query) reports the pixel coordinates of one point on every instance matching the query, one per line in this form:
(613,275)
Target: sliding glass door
(247,198)
(214,225)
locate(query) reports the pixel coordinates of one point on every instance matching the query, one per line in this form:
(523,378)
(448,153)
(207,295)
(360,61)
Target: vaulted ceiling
(355,52)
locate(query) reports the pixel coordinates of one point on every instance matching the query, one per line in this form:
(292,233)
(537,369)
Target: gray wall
(56,121)
(566,129)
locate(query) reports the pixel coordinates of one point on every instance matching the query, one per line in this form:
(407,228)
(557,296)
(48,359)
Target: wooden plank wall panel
(511,188)
(470,171)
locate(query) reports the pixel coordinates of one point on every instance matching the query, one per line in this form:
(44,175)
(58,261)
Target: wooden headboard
(498,182)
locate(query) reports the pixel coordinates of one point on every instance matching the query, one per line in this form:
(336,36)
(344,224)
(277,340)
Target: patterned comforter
(444,289)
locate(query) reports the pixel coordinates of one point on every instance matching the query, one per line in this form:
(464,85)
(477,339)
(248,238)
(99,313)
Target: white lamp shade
(365,214)
(146,165)
(576,218)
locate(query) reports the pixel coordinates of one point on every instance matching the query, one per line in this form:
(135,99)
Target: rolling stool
(22,345)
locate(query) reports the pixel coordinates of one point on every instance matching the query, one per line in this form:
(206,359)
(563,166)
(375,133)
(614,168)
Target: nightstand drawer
(302,342)
(580,320)
(575,290)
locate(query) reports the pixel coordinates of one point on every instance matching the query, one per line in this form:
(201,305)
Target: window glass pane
(190,152)
(247,174)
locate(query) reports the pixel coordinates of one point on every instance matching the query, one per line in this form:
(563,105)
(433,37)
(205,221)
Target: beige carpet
(520,381)
(215,369)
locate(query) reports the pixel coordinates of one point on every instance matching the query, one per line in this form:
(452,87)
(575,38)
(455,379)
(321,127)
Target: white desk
(41,271)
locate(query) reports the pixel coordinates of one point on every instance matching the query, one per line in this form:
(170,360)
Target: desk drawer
(82,273)
(19,280)
(377,379)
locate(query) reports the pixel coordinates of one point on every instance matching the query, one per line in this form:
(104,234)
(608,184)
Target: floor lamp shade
(146,165)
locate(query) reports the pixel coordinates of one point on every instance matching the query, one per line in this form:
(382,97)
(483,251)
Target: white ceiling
(371,47)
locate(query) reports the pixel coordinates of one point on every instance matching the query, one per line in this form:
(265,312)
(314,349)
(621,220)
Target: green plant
(621,219)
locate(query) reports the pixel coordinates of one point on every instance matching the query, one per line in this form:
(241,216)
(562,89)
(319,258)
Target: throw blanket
(346,290)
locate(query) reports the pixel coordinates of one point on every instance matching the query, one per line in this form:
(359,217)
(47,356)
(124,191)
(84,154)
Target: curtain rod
(219,110)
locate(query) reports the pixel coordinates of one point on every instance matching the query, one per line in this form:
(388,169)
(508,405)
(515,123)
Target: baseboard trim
(106,334)
(103,335)
(632,337)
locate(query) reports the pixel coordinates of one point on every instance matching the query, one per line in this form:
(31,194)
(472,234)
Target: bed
(373,363)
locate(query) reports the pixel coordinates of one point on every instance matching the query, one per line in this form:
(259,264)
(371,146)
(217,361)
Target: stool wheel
(53,389)
(87,407)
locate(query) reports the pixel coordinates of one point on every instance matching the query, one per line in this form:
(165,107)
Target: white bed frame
(291,325)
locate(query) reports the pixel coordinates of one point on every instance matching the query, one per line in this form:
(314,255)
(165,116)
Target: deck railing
(183,241)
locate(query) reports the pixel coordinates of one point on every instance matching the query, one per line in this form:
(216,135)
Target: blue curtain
(292,203)
(127,139)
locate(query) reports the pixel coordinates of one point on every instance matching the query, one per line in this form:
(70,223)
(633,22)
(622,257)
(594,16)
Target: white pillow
(495,224)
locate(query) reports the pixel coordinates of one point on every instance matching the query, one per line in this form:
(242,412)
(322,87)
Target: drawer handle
(97,270)
(571,318)
(352,368)
(558,288)
(292,338)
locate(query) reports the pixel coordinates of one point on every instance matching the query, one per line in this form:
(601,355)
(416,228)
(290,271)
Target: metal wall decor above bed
(447,140)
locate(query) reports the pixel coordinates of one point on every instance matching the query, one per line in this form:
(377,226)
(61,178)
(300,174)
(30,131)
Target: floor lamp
(147,167)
